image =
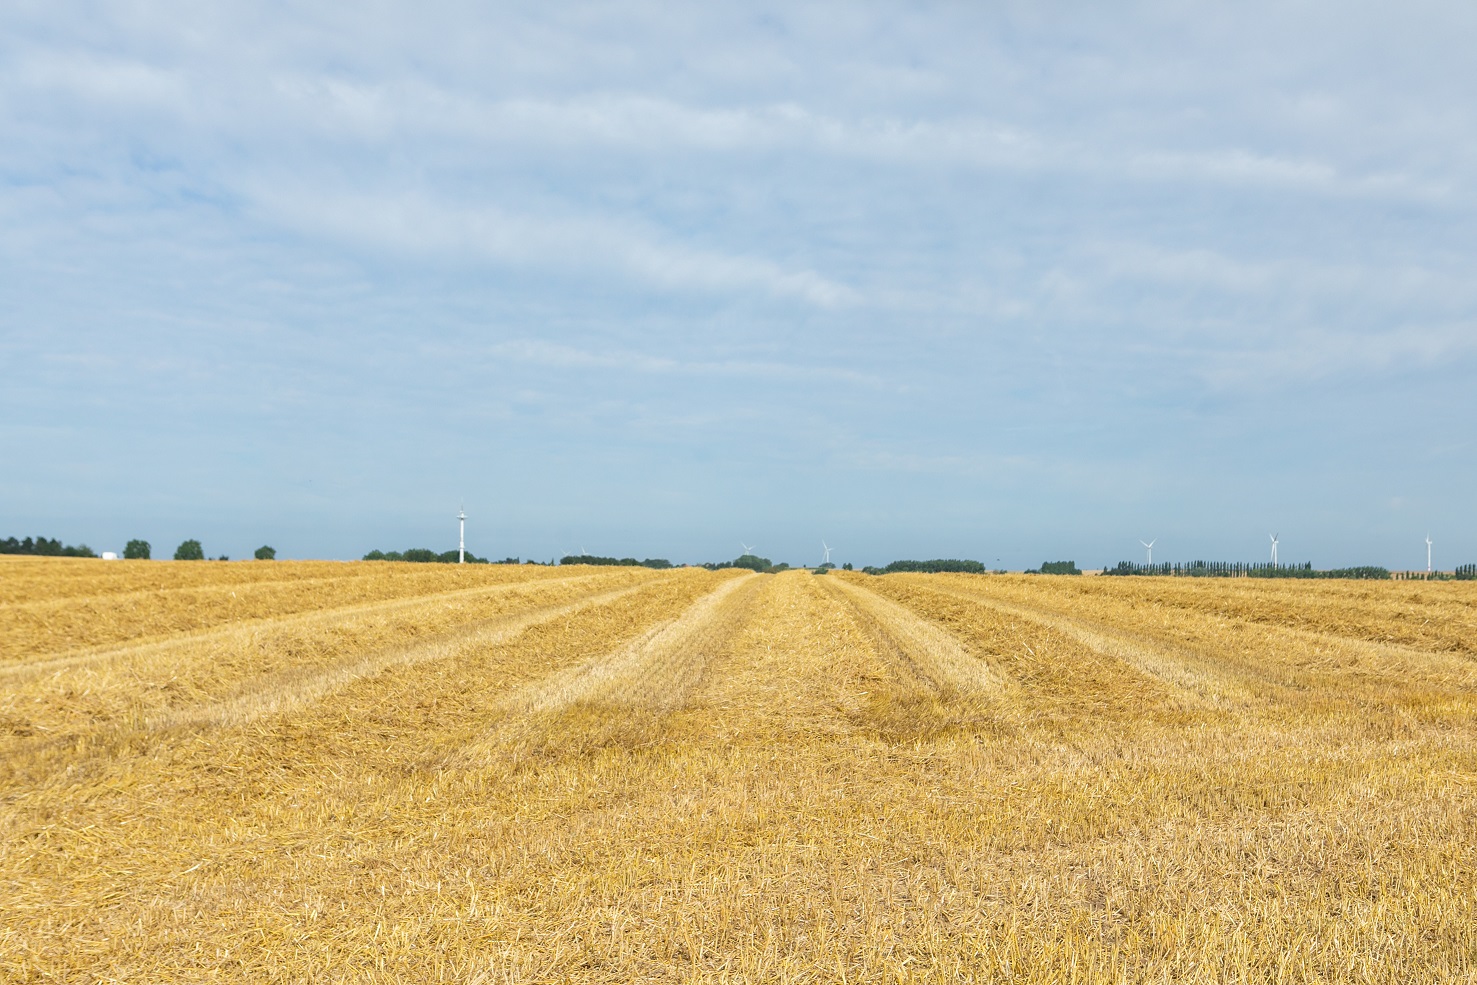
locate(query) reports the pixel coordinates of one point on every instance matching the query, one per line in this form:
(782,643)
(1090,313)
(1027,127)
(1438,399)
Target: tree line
(1055,568)
(659,563)
(43,547)
(424,555)
(1242,569)
(936,566)
(750,562)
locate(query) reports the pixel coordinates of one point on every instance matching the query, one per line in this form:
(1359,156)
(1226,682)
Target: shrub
(265,553)
(137,550)
(190,550)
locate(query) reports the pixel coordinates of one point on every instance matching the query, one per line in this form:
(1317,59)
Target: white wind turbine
(826,551)
(1274,547)
(1428,555)
(1149,546)
(461,541)
(746,547)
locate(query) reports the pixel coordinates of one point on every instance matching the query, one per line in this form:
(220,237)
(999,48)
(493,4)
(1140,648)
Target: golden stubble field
(325,772)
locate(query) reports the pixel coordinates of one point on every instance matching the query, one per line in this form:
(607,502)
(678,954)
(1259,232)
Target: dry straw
(694,776)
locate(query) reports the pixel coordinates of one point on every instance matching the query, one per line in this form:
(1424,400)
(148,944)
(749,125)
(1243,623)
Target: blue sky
(1003,281)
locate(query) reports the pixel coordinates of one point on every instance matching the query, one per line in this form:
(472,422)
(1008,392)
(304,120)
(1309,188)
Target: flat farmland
(323,772)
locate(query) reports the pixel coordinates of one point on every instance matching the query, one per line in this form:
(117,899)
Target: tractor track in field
(652,675)
(655,671)
(1305,657)
(1189,675)
(923,651)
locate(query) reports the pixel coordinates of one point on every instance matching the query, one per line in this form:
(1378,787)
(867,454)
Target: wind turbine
(827,552)
(1149,546)
(461,547)
(1428,555)
(746,547)
(1274,548)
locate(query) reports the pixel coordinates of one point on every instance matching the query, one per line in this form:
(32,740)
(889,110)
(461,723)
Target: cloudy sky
(1003,281)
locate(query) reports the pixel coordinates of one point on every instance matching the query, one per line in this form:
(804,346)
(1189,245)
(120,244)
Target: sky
(1005,281)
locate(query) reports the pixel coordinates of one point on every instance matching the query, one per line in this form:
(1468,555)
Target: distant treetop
(43,547)
(422,555)
(622,562)
(936,566)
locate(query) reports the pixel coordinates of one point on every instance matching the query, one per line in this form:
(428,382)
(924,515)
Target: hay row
(55,627)
(1253,656)
(160,681)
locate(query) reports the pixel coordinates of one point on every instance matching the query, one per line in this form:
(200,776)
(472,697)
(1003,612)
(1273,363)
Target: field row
(132,601)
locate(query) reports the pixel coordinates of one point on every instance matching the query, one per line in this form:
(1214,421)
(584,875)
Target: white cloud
(105,81)
(1317,354)
(562,356)
(648,126)
(415,223)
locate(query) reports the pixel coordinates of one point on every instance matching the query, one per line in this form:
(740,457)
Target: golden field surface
(321,772)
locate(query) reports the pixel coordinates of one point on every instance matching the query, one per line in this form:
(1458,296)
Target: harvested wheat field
(320,772)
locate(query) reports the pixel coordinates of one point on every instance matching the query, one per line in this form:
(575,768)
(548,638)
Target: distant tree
(190,550)
(616,562)
(846,566)
(44,547)
(266,553)
(454,557)
(937,565)
(1059,568)
(223,557)
(137,550)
